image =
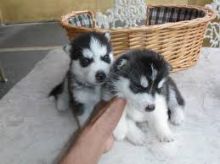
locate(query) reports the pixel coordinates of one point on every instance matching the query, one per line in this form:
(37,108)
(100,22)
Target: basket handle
(212,14)
(64,19)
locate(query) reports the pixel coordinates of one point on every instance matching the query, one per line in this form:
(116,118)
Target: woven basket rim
(209,16)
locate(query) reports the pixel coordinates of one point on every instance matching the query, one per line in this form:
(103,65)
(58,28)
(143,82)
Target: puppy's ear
(75,51)
(107,35)
(122,64)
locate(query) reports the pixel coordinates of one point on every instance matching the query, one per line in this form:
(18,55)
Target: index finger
(109,117)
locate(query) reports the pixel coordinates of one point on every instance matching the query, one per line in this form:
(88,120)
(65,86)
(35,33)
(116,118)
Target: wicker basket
(174,31)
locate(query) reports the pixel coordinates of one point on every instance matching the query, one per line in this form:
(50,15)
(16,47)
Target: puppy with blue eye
(91,58)
(142,78)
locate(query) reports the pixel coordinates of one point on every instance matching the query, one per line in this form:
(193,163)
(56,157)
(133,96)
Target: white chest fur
(134,114)
(88,97)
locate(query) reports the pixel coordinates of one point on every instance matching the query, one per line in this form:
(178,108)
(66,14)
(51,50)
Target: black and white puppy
(142,78)
(91,59)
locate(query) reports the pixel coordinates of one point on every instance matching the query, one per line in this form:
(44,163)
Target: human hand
(96,137)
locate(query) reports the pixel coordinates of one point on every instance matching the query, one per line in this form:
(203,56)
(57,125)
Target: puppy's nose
(150,108)
(100,76)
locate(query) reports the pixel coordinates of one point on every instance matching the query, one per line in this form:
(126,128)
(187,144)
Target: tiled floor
(23,45)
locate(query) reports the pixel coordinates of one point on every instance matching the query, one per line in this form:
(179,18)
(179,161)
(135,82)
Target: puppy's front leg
(135,135)
(121,129)
(176,105)
(63,98)
(159,120)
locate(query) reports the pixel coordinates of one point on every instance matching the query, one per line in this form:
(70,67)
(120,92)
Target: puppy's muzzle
(100,76)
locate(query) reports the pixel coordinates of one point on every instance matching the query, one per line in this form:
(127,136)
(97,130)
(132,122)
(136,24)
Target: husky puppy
(91,58)
(142,78)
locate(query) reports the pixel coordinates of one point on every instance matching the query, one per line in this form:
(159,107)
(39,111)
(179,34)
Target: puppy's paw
(177,117)
(137,138)
(62,106)
(166,137)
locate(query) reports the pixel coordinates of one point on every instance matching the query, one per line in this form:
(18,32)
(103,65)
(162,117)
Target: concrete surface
(32,131)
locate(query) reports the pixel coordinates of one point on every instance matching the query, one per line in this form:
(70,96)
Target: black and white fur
(91,58)
(142,78)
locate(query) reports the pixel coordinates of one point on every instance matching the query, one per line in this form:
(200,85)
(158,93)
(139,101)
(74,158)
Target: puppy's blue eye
(85,62)
(106,59)
(137,88)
